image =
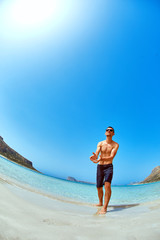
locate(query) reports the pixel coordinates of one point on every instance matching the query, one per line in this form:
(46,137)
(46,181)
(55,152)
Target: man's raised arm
(95,155)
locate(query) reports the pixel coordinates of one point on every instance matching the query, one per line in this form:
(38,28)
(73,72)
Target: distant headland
(75,180)
(153,177)
(14,156)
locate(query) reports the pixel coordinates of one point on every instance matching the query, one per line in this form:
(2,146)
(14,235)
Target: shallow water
(80,192)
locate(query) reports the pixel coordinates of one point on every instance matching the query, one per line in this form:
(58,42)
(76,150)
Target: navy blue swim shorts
(104,174)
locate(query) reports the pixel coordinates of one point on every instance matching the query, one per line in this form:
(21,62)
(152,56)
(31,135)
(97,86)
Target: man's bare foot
(98,205)
(103,211)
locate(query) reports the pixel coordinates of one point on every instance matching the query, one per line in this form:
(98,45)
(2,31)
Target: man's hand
(95,161)
(93,157)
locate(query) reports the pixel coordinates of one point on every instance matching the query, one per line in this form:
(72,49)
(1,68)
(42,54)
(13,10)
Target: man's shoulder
(100,143)
(115,144)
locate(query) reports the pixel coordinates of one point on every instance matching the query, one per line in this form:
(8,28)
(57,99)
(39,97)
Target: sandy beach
(28,215)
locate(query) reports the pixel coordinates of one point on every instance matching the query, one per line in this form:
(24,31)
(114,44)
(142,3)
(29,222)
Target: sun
(29,20)
(31,14)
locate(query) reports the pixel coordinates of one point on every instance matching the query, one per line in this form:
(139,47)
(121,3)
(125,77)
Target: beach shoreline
(10,181)
(24,211)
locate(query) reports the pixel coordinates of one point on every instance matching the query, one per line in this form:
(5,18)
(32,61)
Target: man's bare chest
(106,148)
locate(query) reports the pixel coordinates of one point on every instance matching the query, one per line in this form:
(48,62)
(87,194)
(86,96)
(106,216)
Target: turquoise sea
(79,192)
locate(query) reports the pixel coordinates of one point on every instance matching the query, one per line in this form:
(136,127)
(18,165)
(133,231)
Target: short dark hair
(110,127)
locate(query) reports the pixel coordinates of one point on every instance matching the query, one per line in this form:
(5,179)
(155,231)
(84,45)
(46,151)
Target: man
(107,149)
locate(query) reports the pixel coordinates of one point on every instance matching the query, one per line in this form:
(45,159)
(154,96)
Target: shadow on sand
(113,208)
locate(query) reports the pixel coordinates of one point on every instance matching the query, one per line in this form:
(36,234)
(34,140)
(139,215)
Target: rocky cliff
(72,179)
(12,155)
(154,176)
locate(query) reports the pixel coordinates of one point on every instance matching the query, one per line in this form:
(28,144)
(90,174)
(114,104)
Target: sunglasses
(107,130)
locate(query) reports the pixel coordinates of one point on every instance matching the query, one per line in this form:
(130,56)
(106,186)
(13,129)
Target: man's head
(109,131)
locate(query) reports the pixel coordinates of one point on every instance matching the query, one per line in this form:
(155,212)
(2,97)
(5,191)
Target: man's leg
(106,197)
(100,178)
(100,196)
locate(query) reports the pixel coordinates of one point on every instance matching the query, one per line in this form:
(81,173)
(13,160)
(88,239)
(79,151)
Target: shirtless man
(107,149)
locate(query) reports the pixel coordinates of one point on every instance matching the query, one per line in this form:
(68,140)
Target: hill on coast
(14,156)
(154,176)
(72,179)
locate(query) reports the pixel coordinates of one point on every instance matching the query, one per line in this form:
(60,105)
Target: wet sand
(28,215)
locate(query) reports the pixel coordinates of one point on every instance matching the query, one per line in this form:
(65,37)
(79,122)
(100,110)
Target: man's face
(109,132)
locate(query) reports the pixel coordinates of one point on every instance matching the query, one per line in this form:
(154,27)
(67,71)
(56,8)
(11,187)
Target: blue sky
(71,68)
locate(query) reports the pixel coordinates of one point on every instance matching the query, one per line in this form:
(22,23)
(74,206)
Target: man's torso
(105,150)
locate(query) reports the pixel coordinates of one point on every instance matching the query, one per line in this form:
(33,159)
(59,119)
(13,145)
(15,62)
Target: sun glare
(34,13)
(29,19)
